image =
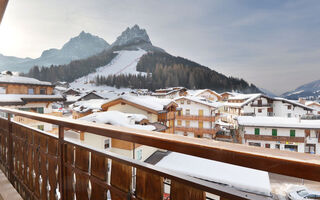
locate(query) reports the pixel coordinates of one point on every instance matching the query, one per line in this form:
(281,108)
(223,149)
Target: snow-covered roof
(246,98)
(241,178)
(281,122)
(4,78)
(296,103)
(117,118)
(84,106)
(22,98)
(150,102)
(201,100)
(72,98)
(106,94)
(198,92)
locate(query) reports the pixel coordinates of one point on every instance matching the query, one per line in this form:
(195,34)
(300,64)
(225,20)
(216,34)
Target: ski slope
(124,63)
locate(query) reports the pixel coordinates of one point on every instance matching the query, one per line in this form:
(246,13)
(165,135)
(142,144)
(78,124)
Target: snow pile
(6,78)
(278,122)
(117,118)
(244,179)
(83,106)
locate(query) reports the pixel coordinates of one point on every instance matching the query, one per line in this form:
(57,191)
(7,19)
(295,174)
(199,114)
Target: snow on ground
(242,178)
(124,63)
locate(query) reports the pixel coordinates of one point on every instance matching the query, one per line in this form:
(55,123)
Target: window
(200,112)
(123,103)
(187,111)
(188,102)
(187,123)
(3,90)
(30,91)
(255,144)
(259,110)
(274,132)
(43,91)
(200,124)
(267,146)
(292,133)
(289,115)
(182,101)
(257,131)
(260,102)
(107,144)
(179,122)
(179,113)
(289,107)
(277,146)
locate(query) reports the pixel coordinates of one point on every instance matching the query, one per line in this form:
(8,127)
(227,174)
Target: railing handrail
(282,162)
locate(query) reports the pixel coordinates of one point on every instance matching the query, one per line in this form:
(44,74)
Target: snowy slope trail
(124,63)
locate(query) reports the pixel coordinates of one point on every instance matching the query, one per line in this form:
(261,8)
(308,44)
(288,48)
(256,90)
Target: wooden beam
(3,5)
(293,164)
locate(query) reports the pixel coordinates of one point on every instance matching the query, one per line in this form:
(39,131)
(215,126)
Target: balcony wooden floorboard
(7,191)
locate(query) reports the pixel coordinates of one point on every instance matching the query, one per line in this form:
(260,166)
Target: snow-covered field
(124,63)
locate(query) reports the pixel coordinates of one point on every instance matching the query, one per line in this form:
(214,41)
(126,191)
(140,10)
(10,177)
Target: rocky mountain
(133,62)
(82,46)
(309,91)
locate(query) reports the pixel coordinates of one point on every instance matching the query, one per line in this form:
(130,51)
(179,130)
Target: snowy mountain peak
(134,35)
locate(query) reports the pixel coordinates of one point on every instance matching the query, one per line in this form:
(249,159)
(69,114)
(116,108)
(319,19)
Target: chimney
(302,101)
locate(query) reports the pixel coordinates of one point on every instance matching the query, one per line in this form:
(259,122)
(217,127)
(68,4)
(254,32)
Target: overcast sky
(274,44)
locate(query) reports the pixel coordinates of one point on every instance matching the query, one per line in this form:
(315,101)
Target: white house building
(281,133)
(196,117)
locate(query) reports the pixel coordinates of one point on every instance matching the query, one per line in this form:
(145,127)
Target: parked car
(302,193)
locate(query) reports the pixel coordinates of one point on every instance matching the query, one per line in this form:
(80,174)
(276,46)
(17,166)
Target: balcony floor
(7,191)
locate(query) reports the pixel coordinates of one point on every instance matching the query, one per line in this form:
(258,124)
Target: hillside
(133,62)
(309,91)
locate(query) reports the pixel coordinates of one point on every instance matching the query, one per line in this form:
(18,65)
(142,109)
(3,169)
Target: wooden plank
(99,166)
(98,191)
(179,191)
(121,176)
(82,185)
(148,186)
(52,176)
(82,159)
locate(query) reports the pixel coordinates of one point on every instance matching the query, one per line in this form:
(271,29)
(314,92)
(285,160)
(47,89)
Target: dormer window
(30,91)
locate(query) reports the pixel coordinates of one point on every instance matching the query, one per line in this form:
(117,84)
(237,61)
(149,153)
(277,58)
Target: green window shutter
(40,110)
(292,133)
(274,132)
(257,131)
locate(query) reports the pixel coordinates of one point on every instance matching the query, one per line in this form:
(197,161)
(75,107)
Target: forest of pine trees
(164,70)
(73,70)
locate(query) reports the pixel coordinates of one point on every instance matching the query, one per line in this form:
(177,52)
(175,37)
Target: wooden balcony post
(10,150)
(61,152)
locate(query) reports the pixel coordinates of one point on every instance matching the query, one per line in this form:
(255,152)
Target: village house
(28,94)
(206,94)
(262,105)
(125,120)
(196,117)
(155,109)
(170,93)
(281,133)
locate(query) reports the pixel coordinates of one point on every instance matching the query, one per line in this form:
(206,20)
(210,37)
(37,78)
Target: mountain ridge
(82,46)
(309,91)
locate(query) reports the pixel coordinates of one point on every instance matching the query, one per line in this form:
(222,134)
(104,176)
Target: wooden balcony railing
(195,117)
(262,105)
(44,166)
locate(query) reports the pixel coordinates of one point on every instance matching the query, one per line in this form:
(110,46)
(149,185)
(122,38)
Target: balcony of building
(196,118)
(41,165)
